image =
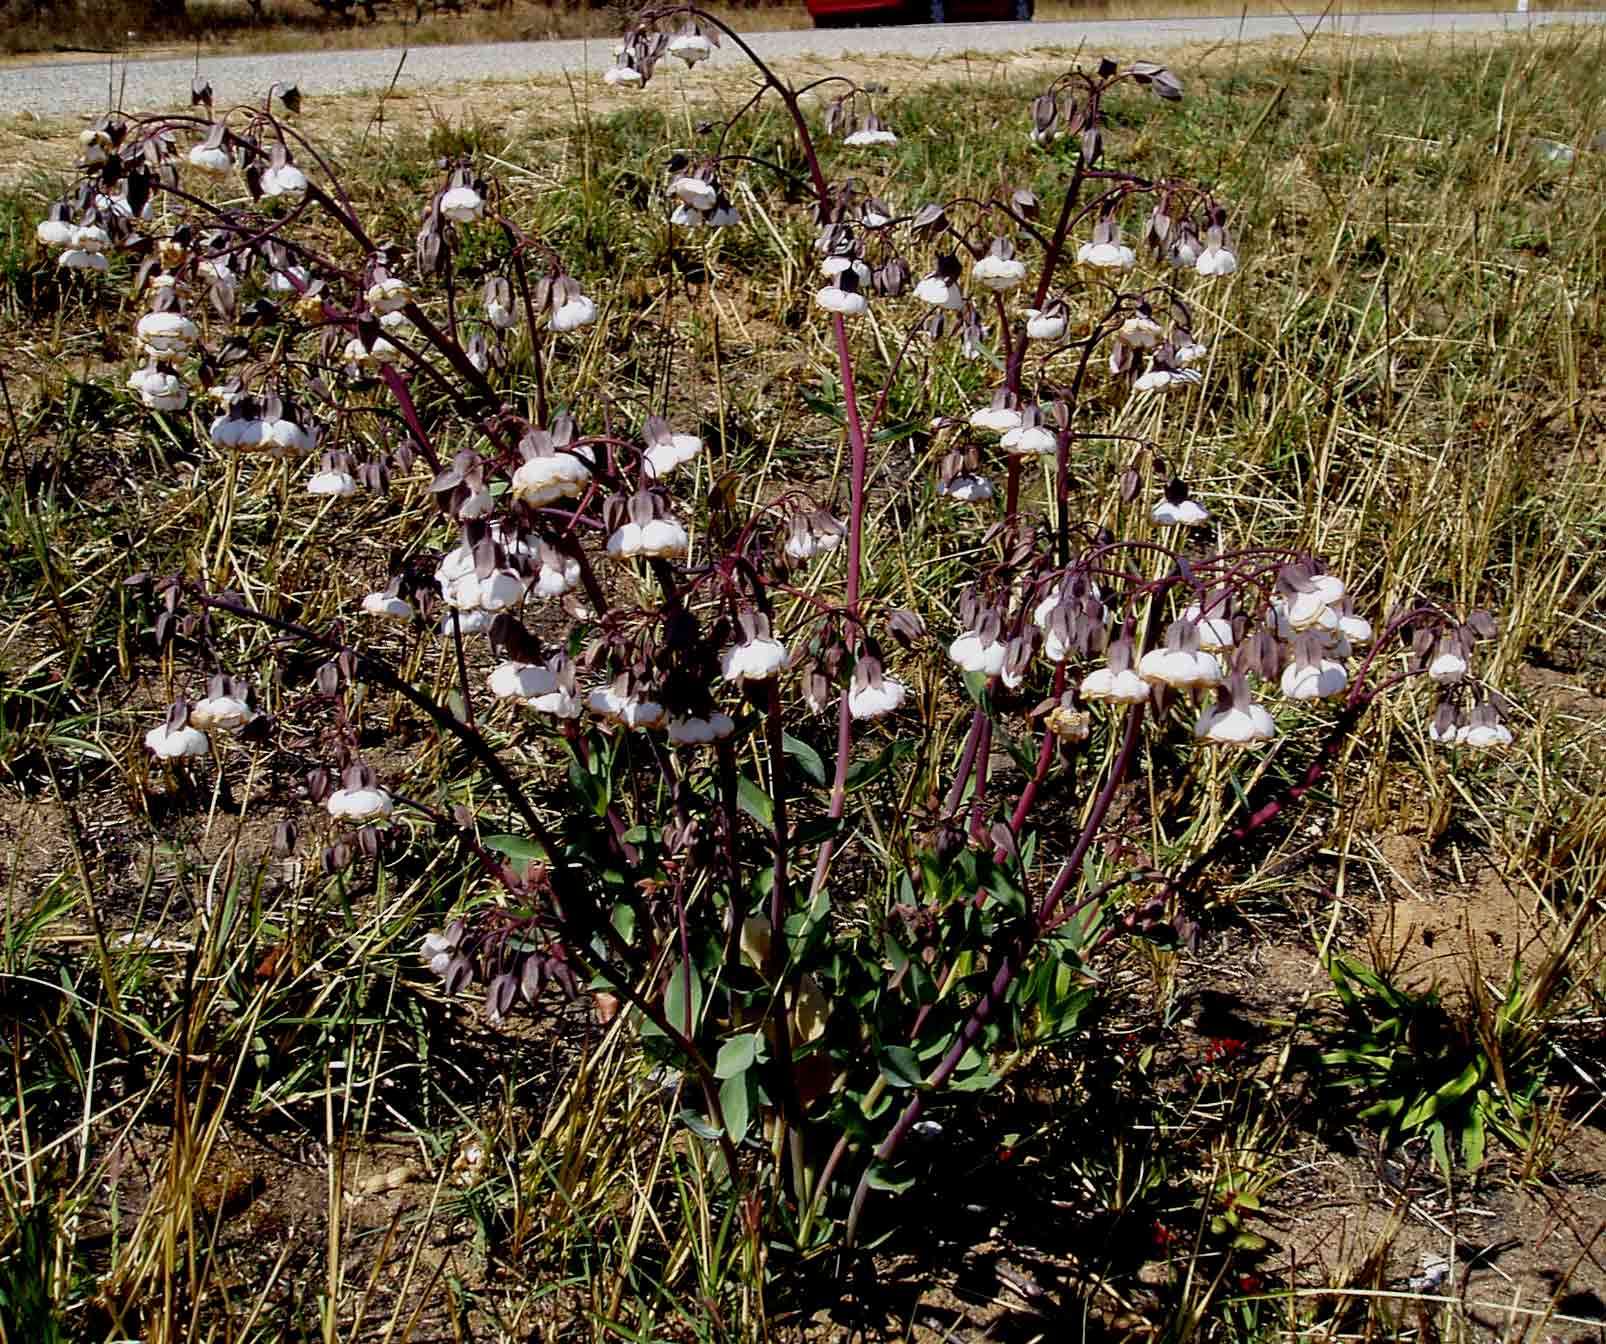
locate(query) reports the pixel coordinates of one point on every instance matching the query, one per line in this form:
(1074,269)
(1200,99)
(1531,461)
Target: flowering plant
(670,647)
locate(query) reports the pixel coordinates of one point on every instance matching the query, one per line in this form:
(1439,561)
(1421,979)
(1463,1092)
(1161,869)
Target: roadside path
(80,88)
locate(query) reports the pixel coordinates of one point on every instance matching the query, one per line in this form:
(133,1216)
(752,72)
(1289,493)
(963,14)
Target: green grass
(198,1123)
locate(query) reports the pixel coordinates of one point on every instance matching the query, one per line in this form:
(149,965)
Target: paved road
(74,88)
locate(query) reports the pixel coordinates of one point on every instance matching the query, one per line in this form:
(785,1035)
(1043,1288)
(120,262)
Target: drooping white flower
(76,259)
(867,138)
(663,538)
(389,295)
(213,160)
(388,605)
(690,47)
(756,659)
(1182,513)
(1215,630)
(622,76)
(1216,261)
(1180,663)
(360,804)
(371,357)
(1187,351)
(501,589)
(92,148)
(580,311)
(172,743)
(832,267)
(334,483)
(55,232)
(997,419)
(287,438)
(617,704)
(462,205)
(288,181)
(1317,679)
(1160,379)
(998,273)
(695,731)
(542,480)
(1449,666)
(1107,256)
(974,653)
(1235,725)
(696,192)
(1140,332)
(665,456)
(1030,440)
(166,333)
(1046,324)
(1485,736)
(811,535)
(161,391)
(940,293)
(837,299)
(227,712)
(512,680)
(872,694)
(966,488)
(559,574)
(91,238)
(1122,688)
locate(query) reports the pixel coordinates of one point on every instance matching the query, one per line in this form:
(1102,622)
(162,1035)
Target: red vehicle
(841,13)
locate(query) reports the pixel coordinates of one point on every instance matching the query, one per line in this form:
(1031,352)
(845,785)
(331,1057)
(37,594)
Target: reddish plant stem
(858,464)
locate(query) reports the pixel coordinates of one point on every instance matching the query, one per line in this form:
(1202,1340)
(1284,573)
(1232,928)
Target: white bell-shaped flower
(544,479)
(690,47)
(172,743)
(228,713)
(167,333)
(513,680)
(332,483)
(981,652)
(571,315)
(1235,724)
(695,192)
(966,488)
(696,731)
(360,804)
(213,160)
(997,273)
(1046,324)
(387,605)
(287,181)
(835,298)
(462,205)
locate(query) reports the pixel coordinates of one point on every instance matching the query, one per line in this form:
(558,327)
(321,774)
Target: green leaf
(735,1102)
(675,999)
(808,760)
(867,772)
(755,802)
(879,1178)
(737,1054)
(699,1126)
(519,848)
(900,1067)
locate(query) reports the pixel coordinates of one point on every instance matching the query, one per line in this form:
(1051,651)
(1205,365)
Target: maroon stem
(858,466)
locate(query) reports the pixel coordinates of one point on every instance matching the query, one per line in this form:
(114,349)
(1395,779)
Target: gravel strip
(80,88)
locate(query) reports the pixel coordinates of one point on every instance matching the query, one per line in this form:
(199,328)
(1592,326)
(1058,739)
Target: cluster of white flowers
(82,246)
(474,592)
(250,425)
